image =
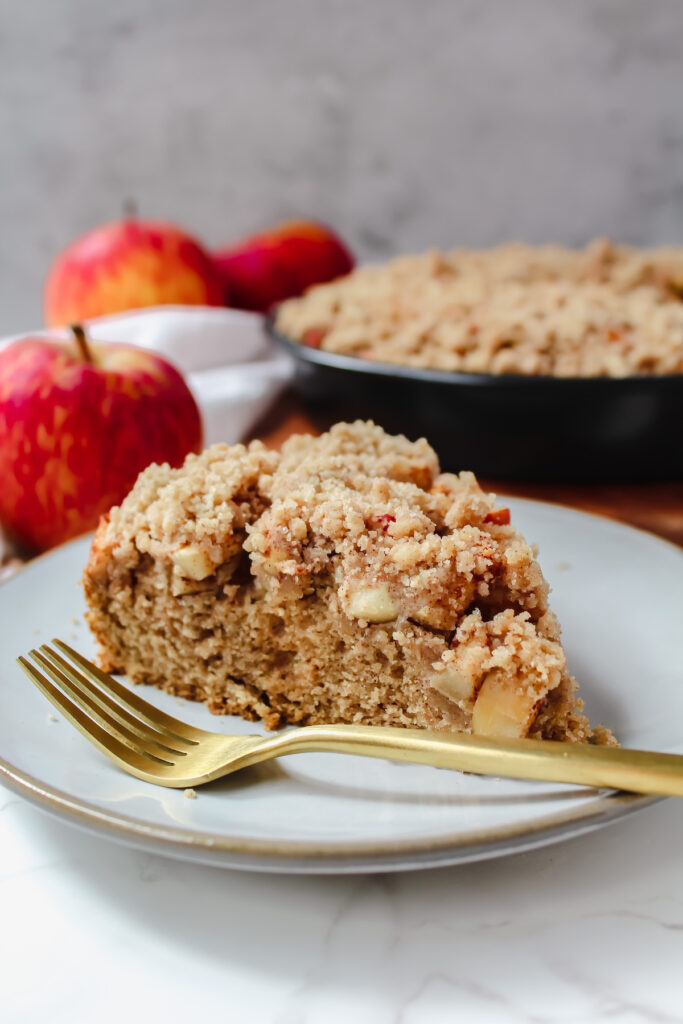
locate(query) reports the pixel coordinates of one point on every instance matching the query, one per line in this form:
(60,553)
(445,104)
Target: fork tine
(124,697)
(132,731)
(85,702)
(103,740)
(116,707)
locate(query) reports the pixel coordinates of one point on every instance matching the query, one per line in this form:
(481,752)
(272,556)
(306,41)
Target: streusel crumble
(606,310)
(344,579)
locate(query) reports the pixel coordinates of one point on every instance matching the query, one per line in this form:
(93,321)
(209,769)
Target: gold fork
(158,748)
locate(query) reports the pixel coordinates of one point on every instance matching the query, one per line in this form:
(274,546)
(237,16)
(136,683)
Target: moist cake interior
(343,579)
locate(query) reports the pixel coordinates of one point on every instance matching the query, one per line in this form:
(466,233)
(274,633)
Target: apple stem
(82,343)
(130,209)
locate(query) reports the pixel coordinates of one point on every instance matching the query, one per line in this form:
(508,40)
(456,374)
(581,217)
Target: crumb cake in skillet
(343,579)
(603,311)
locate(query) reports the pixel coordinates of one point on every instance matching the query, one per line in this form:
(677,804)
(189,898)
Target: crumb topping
(357,450)
(195,515)
(605,310)
(356,509)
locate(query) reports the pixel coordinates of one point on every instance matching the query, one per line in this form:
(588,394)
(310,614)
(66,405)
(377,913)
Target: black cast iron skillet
(550,429)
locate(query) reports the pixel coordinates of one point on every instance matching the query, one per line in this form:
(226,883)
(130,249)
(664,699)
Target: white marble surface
(589,930)
(404,123)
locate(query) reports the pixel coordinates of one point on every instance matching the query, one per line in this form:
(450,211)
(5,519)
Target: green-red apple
(78,422)
(129,264)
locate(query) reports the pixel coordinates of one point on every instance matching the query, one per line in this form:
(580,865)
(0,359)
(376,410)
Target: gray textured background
(405,123)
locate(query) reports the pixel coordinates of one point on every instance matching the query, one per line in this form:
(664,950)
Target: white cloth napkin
(234,370)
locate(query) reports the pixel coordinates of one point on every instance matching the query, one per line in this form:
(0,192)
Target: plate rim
(609,806)
(269,854)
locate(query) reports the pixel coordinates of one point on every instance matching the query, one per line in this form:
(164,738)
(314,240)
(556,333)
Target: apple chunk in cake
(343,579)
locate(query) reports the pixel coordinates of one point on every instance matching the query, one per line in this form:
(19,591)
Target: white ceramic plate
(619,595)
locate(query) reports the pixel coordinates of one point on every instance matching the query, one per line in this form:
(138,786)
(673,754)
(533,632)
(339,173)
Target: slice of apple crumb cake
(343,579)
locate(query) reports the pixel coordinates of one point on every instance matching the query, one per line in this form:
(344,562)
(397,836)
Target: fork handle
(636,771)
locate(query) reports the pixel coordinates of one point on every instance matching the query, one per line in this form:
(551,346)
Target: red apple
(129,264)
(280,263)
(78,422)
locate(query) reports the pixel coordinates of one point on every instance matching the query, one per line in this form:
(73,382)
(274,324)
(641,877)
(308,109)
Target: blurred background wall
(404,123)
